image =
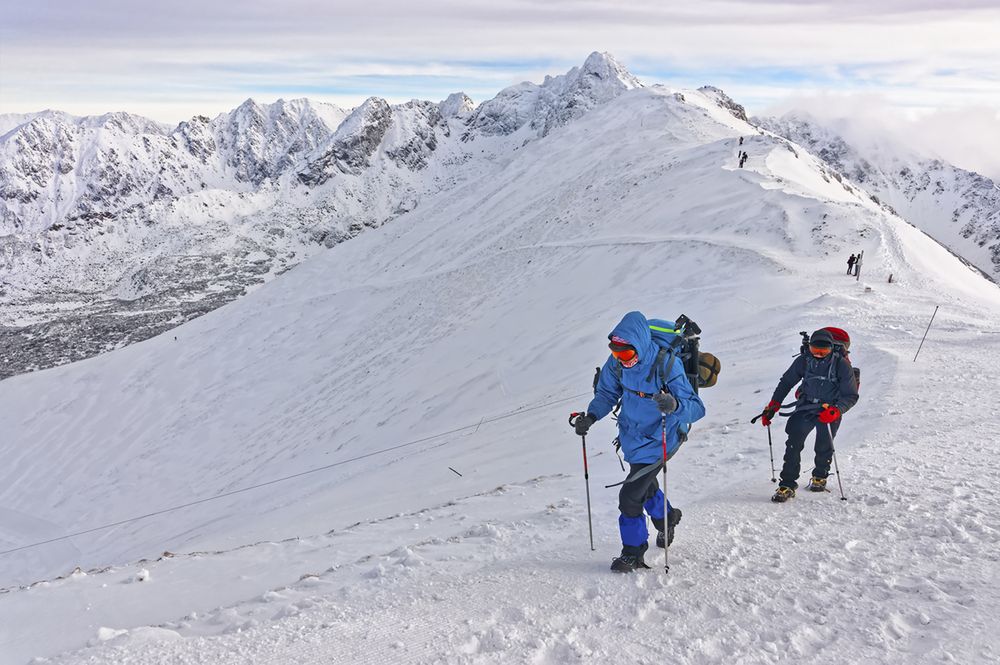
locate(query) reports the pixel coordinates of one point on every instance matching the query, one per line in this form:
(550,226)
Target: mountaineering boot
(630,559)
(817,484)
(672,521)
(783,494)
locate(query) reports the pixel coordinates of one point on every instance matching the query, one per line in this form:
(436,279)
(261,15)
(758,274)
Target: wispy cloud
(172,60)
(966,137)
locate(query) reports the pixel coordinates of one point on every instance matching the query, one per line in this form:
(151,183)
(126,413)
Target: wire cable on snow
(477,425)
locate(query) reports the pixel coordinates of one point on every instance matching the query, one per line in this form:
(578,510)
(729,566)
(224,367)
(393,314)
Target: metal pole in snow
(771,448)
(666,504)
(836,467)
(586,475)
(925,334)
(586,478)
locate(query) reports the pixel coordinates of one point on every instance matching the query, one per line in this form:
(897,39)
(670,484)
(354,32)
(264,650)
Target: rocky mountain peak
(352,145)
(558,100)
(604,67)
(457,105)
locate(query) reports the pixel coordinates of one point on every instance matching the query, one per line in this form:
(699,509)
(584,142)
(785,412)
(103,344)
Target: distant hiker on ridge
(656,400)
(850,263)
(828,390)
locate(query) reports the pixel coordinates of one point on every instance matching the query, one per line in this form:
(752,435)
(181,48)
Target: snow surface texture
(959,208)
(116,228)
(495,299)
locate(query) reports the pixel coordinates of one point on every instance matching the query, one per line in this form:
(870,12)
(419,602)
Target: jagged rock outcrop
(350,149)
(556,101)
(725,101)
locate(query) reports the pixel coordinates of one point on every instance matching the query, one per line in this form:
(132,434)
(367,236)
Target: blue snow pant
(640,493)
(798,427)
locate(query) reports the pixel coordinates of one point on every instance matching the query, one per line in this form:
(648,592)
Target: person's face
(820,351)
(627,357)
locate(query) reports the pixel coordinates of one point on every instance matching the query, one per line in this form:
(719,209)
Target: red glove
(769,411)
(829,414)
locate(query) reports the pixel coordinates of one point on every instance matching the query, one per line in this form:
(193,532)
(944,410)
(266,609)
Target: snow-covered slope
(115,228)
(428,368)
(959,208)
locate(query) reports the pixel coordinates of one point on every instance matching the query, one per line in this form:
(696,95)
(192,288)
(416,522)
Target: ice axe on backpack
(586,474)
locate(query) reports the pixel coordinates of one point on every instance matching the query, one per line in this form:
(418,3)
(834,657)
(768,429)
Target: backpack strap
(664,368)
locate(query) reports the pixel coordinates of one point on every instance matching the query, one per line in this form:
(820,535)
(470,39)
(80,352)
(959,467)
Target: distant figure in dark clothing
(743,159)
(741,140)
(850,263)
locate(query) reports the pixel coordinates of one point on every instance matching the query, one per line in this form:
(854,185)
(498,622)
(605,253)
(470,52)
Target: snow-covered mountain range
(959,208)
(115,228)
(367,459)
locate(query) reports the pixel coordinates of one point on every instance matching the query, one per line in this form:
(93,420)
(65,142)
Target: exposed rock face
(725,101)
(556,101)
(415,135)
(350,149)
(959,208)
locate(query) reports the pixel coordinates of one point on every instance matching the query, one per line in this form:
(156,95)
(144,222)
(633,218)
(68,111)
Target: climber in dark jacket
(828,390)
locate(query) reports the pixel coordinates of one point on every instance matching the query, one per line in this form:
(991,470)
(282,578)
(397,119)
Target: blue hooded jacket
(640,425)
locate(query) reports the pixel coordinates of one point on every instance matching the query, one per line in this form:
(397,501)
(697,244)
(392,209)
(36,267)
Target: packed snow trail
(899,573)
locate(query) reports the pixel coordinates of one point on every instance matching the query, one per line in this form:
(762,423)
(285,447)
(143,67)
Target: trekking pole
(925,334)
(836,467)
(586,476)
(771,448)
(666,504)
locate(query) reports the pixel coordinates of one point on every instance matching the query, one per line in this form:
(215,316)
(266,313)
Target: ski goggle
(625,355)
(820,351)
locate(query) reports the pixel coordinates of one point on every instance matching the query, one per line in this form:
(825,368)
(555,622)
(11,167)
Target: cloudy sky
(936,63)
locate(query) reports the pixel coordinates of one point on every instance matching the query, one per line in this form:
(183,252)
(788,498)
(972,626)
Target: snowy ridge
(496,296)
(960,208)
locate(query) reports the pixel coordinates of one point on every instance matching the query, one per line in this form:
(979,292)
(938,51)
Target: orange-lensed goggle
(820,351)
(625,355)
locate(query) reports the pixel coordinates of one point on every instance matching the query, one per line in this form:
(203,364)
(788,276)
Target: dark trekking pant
(642,493)
(799,425)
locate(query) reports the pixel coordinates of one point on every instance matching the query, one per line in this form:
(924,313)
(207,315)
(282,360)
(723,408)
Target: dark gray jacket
(827,380)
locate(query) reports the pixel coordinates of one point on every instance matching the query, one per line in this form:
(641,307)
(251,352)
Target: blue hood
(634,328)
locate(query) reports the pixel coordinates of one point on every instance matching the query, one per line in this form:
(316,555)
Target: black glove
(583,424)
(665,402)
